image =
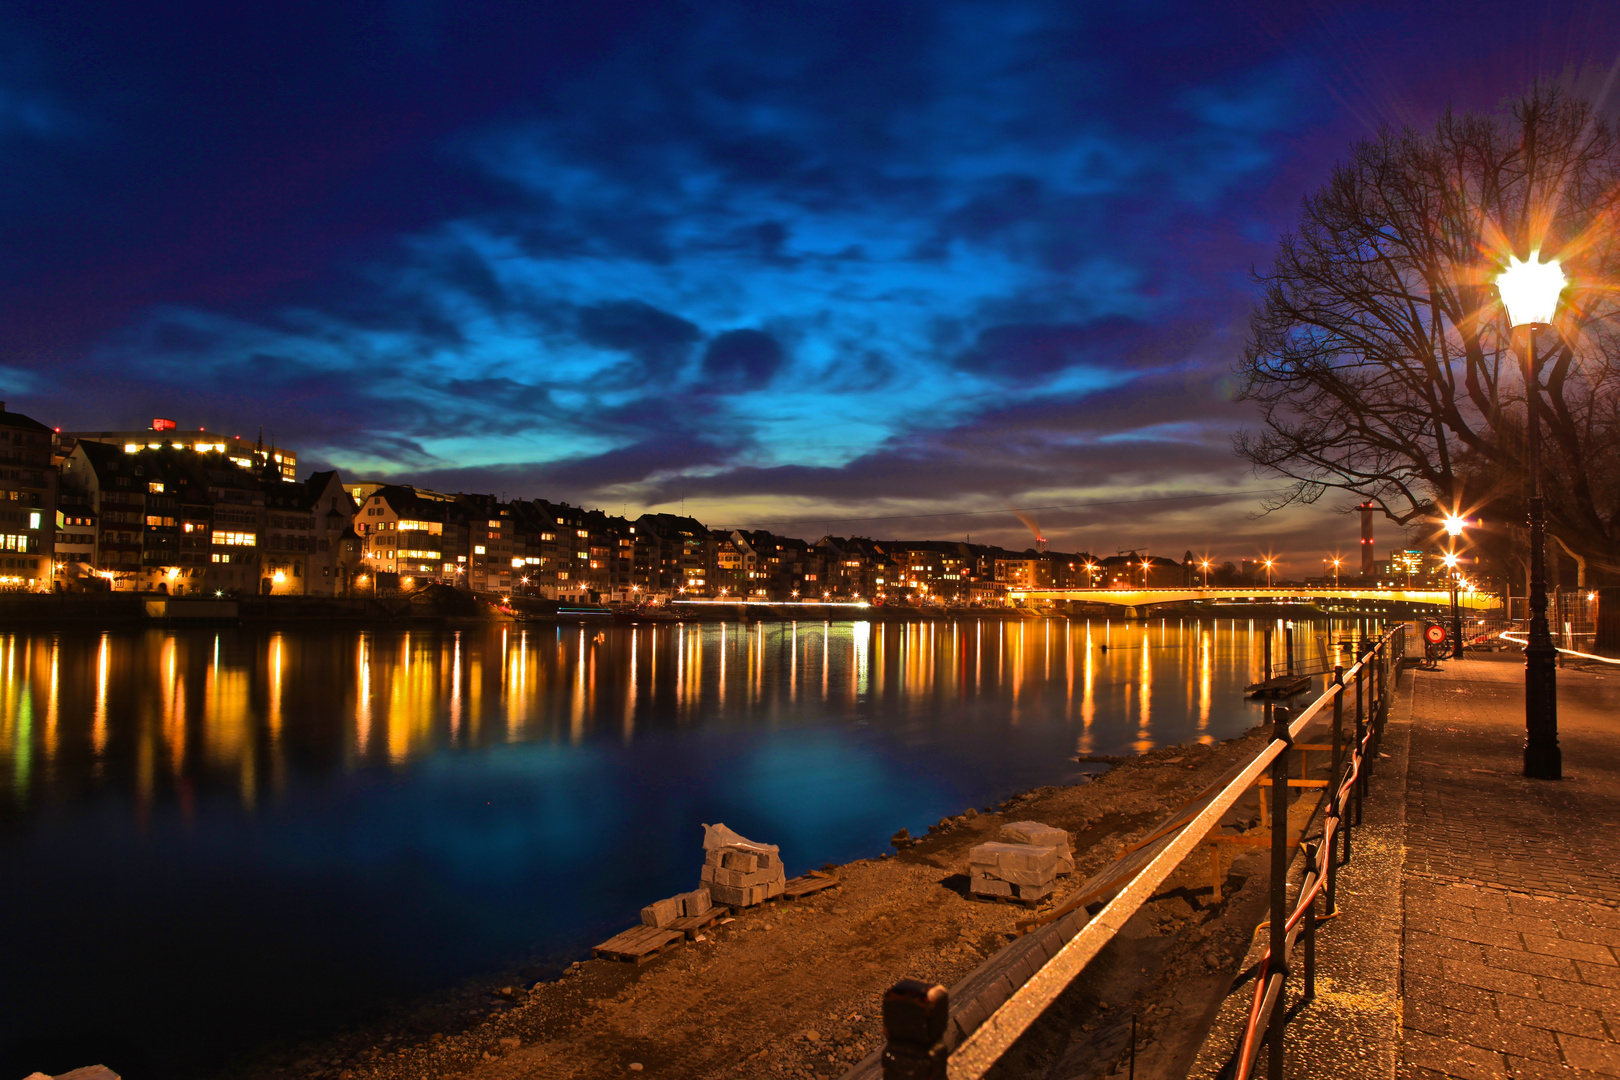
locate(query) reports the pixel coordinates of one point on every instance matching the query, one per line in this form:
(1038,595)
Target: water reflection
(159,706)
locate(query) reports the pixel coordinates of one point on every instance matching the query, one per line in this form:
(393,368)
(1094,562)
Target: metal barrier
(930,1037)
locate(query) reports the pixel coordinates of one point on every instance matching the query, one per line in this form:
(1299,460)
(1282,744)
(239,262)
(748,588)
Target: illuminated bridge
(1134,601)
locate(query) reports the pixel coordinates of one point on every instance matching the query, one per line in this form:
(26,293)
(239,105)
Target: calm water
(212,839)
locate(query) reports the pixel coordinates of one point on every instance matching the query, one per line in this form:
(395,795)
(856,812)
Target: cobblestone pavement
(1511,887)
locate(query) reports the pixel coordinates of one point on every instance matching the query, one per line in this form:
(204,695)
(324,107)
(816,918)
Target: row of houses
(175,512)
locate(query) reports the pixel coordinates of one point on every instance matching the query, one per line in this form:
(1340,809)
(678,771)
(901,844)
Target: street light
(1205,565)
(1456,619)
(1530,290)
(1337,562)
(1269,564)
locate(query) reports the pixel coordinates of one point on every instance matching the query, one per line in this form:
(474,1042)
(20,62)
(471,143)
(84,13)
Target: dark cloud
(659,340)
(742,360)
(1032,352)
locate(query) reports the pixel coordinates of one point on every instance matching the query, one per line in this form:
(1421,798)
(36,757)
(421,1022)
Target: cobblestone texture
(1510,886)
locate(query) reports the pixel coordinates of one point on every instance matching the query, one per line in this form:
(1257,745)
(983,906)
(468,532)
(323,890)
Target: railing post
(914,1015)
(1279,891)
(1336,780)
(1361,735)
(1313,865)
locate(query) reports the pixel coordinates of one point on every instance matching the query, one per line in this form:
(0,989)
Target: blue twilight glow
(787,263)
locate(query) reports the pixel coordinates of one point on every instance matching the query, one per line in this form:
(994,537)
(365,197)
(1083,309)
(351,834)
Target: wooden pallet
(638,944)
(988,898)
(691,924)
(809,884)
(1281,687)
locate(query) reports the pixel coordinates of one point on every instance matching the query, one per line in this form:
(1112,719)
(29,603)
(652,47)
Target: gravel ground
(792,989)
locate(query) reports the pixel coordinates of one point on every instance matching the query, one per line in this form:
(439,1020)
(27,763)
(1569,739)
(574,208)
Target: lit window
(235,539)
(130,448)
(155,487)
(478,549)
(433,528)
(33,519)
(495,524)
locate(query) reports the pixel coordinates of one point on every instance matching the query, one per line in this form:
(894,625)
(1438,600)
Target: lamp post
(1336,564)
(1268,573)
(1530,290)
(1454,528)
(1456,619)
(1205,565)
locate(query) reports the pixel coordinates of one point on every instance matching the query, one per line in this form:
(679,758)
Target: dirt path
(788,989)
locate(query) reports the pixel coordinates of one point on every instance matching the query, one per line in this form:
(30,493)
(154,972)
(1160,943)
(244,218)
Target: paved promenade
(1510,887)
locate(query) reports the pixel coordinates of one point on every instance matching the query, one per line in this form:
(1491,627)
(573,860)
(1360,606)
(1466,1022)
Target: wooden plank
(1293,782)
(638,944)
(691,924)
(808,885)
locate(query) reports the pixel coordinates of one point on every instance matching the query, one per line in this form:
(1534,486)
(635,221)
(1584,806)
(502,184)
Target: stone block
(1034,892)
(989,886)
(1033,832)
(1027,857)
(729,895)
(988,854)
(746,862)
(695,902)
(662,913)
(1030,878)
(714,856)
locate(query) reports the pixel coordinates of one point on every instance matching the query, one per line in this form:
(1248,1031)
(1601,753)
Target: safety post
(1337,774)
(914,1016)
(1279,890)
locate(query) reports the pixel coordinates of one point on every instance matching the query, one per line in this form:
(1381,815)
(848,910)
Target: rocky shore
(792,989)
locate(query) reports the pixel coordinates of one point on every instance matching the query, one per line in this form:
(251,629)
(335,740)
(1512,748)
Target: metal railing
(931,1038)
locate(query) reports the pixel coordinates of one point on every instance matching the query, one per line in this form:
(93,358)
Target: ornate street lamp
(1530,292)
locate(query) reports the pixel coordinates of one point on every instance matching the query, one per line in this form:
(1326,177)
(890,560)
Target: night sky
(799,265)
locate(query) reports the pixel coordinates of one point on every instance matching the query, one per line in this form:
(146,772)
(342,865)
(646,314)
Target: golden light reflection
(103,659)
(1206,676)
(169,707)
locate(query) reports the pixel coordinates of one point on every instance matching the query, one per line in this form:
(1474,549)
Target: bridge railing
(960,1034)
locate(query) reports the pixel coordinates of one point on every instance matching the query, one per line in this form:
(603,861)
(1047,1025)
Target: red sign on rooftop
(164,425)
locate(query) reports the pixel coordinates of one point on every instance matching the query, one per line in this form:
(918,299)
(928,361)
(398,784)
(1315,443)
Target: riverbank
(441,606)
(789,989)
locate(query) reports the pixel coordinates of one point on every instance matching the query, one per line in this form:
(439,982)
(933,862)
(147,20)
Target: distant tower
(1368,562)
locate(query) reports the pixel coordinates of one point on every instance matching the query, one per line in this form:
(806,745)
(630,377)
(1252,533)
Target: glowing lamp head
(1530,289)
(1454,525)
(1450,560)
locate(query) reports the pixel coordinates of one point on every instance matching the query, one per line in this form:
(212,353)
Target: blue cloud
(837,256)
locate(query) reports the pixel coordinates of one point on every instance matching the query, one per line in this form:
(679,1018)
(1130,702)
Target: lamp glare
(1530,289)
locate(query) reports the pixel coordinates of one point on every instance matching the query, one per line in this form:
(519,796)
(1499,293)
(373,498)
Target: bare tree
(1380,356)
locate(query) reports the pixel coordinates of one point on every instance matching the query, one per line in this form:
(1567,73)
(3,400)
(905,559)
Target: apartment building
(27,504)
(244,453)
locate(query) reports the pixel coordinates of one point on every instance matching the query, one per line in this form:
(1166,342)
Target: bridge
(1135,600)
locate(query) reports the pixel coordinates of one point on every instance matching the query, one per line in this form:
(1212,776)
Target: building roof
(18,420)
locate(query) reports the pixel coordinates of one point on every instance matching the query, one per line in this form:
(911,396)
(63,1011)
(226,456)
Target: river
(212,839)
